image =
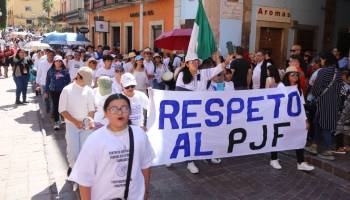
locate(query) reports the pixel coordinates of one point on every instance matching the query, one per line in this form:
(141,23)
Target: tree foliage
(47,6)
(3,17)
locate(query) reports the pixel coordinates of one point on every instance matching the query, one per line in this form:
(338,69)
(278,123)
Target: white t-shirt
(128,67)
(166,61)
(256,76)
(73,67)
(77,101)
(99,103)
(159,73)
(200,81)
(141,80)
(138,102)
(42,68)
(177,62)
(116,87)
(103,162)
(100,64)
(104,72)
(149,67)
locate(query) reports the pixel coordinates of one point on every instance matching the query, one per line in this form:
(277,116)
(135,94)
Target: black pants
(299,153)
(339,140)
(55,95)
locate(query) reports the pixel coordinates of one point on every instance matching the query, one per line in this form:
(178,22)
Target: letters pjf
(202,125)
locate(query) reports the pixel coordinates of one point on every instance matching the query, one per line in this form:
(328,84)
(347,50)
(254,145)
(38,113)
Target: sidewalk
(23,165)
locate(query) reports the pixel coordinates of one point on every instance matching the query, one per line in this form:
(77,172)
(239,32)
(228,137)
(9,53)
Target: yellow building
(28,13)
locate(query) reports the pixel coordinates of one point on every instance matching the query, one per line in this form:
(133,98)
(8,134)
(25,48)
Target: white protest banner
(202,125)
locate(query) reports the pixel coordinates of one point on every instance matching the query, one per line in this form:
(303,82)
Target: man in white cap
(138,100)
(74,65)
(77,107)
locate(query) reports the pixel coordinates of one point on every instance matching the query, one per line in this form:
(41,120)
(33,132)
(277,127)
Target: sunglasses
(295,74)
(118,111)
(80,76)
(131,86)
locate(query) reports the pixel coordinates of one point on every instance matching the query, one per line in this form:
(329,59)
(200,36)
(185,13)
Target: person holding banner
(115,160)
(291,78)
(192,79)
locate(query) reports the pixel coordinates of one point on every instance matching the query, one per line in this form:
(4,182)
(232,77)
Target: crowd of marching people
(101,96)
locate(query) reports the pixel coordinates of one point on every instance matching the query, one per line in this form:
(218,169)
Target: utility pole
(141,25)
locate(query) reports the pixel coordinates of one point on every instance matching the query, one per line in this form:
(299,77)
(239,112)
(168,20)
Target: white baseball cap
(191,56)
(128,79)
(58,57)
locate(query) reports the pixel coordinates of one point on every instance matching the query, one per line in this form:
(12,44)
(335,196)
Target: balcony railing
(77,15)
(97,4)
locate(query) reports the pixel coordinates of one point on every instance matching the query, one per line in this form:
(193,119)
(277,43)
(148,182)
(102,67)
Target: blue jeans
(324,134)
(75,139)
(21,86)
(159,86)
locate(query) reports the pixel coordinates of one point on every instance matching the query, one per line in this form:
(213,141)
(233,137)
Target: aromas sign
(273,14)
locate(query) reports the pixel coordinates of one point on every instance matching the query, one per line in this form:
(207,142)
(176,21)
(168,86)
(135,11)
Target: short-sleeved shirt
(241,67)
(103,162)
(138,102)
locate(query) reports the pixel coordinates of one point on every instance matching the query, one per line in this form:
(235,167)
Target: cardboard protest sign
(202,125)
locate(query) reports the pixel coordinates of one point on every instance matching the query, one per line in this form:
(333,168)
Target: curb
(52,182)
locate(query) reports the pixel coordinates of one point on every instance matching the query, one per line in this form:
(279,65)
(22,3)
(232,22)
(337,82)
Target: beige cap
(292,69)
(86,73)
(132,54)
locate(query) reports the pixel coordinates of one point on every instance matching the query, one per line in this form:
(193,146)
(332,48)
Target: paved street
(33,166)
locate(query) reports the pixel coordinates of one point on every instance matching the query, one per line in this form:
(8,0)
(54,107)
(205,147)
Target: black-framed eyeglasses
(131,86)
(118,111)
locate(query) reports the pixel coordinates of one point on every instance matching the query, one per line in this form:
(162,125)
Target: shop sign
(273,14)
(83,30)
(102,26)
(145,13)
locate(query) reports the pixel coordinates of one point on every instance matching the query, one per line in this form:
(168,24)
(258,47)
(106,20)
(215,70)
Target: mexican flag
(202,42)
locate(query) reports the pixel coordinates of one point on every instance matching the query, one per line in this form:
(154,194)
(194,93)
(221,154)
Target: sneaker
(311,149)
(56,126)
(192,167)
(304,166)
(18,103)
(75,187)
(168,165)
(275,164)
(215,160)
(327,155)
(340,150)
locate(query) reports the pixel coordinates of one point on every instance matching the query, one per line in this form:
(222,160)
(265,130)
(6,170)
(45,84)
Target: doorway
(116,37)
(128,38)
(306,39)
(271,40)
(156,32)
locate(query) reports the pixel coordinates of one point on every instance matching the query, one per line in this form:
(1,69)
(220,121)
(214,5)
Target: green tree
(3,17)
(47,6)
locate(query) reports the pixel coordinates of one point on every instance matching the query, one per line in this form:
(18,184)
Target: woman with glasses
(57,78)
(138,100)
(105,168)
(291,78)
(117,86)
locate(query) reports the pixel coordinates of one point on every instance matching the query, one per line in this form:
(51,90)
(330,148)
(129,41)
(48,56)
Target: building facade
(25,13)
(72,15)
(126,28)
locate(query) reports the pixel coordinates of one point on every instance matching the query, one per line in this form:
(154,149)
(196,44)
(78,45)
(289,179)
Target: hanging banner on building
(273,14)
(202,125)
(102,26)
